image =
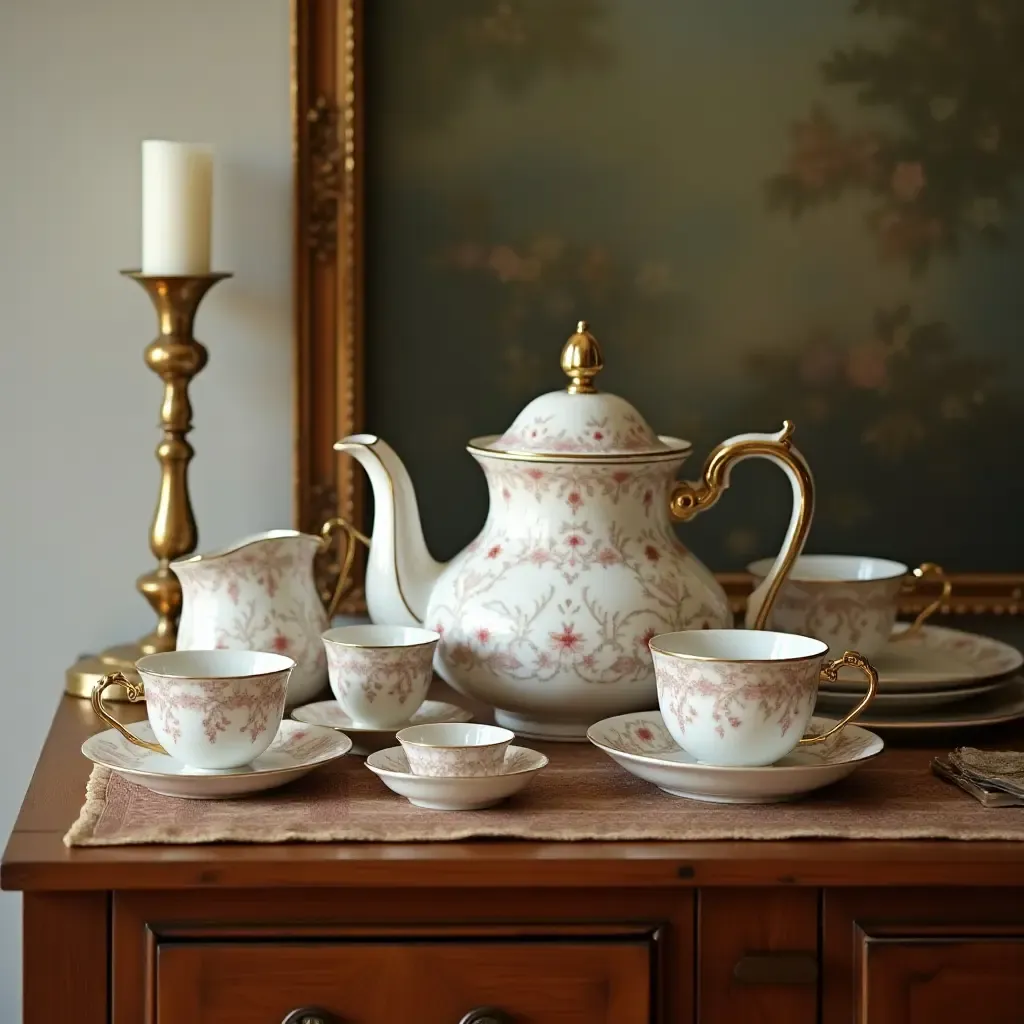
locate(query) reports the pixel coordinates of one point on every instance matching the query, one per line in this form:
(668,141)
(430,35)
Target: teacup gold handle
(831,673)
(327,532)
(925,571)
(135,693)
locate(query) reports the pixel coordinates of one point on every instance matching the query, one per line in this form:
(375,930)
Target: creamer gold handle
(134,692)
(327,532)
(688,499)
(831,673)
(926,571)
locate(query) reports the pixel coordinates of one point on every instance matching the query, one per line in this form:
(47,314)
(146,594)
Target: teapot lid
(581,421)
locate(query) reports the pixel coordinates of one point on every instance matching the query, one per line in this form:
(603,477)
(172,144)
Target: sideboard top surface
(36,858)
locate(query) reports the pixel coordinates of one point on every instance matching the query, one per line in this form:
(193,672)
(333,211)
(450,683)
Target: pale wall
(82,82)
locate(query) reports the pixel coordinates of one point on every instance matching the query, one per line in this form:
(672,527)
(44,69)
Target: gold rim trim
(453,746)
(212,678)
(745,661)
(790,578)
(478,446)
(256,538)
(380,647)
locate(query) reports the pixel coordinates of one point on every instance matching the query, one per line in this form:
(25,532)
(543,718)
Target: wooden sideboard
(497,932)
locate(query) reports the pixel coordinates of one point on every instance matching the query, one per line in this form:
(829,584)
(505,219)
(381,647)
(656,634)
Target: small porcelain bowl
(462,750)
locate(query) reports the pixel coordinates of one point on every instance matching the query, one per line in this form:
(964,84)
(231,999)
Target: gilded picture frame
(329,279)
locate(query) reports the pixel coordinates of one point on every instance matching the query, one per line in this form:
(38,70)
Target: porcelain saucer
(366,739)
(1005,703)
(456,794)
(297,749)
(935,658)
(642,745)
(839,702)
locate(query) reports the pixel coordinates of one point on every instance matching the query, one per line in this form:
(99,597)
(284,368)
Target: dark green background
(802,210)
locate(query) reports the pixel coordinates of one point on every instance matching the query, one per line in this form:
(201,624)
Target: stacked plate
(938,678)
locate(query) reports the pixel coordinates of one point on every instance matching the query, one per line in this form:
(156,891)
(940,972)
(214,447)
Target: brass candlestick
(176,357)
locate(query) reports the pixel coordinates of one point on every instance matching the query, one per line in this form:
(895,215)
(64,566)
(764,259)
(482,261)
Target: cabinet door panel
(531,982)
(923,956)
(944,981)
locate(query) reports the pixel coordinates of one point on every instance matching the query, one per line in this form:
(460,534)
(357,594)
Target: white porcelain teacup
(744,697)
(849,601)
(210,710)
(380,675)
(455,749)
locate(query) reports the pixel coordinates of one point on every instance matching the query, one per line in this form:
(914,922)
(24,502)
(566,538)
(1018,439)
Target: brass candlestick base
(176,357)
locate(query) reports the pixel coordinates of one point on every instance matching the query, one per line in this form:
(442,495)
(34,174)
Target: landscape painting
(765,211)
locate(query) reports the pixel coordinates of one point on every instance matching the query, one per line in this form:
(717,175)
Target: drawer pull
(487,1015)
(776,969)
(310,1015)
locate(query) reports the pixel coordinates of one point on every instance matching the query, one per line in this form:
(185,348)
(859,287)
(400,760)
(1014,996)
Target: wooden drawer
(546,981)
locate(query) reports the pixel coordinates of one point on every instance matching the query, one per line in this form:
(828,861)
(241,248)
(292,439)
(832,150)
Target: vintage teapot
(546,616)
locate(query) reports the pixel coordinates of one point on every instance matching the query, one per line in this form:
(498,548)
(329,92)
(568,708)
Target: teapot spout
(400,572)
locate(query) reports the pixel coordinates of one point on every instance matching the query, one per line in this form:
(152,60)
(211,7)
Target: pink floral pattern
(258,597)
(393,675)
(456,762)
(297,746)
(987,656)
(725,695)
(623,433)
(846,616)
(646,736)
(517,759)
(261,702)
(576,569)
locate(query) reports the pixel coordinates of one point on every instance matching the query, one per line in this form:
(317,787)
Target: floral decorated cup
(455,749)
(380,674)
(210,710)
(849,601)
(743,697)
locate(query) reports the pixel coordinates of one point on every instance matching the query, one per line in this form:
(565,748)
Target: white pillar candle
(177,192)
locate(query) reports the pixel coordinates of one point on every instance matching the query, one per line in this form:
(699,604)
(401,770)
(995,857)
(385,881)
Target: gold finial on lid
(582,361)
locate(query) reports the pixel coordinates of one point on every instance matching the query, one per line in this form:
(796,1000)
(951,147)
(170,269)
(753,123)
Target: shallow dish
(902,703)
(644,747)
(295,751)
(1003,704)
(936,658)
(365,740)
(456,794)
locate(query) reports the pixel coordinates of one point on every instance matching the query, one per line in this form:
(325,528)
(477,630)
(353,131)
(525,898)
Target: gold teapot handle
(927,570)
(688,499)
(327,532)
